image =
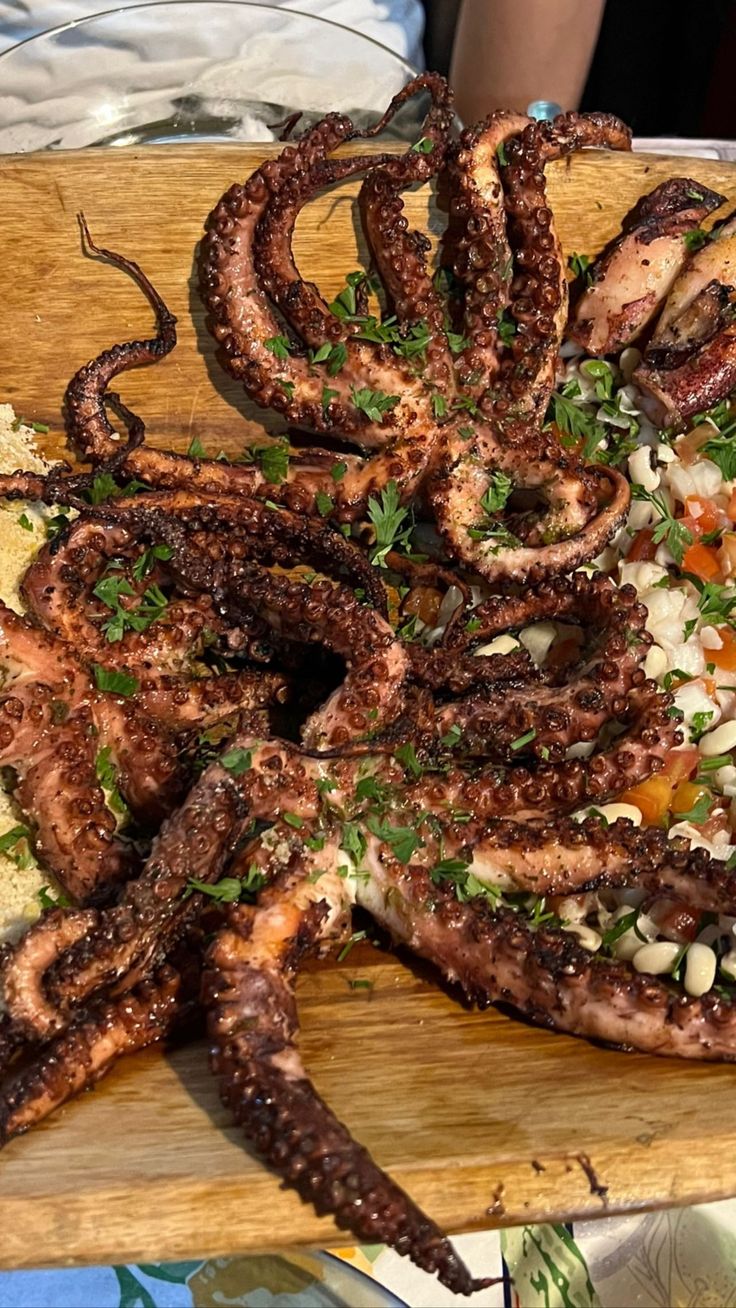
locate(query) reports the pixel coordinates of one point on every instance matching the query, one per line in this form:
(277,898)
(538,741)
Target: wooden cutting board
(486,1121)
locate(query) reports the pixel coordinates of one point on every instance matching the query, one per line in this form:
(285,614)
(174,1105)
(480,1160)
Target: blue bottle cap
(544,109)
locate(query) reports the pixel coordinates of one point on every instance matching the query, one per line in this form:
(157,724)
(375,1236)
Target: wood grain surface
(486,1121)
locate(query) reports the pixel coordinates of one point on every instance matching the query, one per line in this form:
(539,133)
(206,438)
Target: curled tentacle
(87,1050)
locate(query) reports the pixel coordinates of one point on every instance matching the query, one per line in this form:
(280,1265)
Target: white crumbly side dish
(22,532)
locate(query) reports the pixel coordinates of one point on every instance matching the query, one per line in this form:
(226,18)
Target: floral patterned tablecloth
(679,1258)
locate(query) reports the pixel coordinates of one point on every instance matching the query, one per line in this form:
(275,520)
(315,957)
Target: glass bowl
(191,70)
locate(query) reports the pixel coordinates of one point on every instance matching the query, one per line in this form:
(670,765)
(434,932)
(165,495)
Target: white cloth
(397,24)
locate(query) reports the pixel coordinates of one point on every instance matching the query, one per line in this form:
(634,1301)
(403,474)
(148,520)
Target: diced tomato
(425,602)
(711,686)
(675,919)
(705,513)
(643,548)
(680,764)
(725,657)
(686,797)
(652,798)
(716,824)
(702,561)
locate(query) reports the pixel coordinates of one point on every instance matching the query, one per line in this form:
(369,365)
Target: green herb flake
(695,240)
(274,461)
(237,760)
(278,346)
(293,820)
(403,841)
(324,504)
(425,145)
(114,681)
(451,737)
(25,522)
(406,756)
(338,470)
(196,449)
(579,265)
(521,741)
(499,489)
(374,404)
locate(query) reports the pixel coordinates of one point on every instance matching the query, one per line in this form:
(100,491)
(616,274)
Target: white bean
(700,969)
(728,964)
(630,943)
(719,741)
(587,937)
(656,958)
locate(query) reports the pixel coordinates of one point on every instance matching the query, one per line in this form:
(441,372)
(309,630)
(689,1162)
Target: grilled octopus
(391,790)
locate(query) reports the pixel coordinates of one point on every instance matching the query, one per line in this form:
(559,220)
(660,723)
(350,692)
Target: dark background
(667,67)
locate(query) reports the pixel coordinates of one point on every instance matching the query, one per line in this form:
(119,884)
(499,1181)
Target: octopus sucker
(239,705)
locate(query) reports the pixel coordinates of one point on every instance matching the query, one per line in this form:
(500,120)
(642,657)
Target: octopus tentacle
(478,245)
(249,988)
(88,428)
(61,588)
(538,302)
(555,718)
(86,1051)
(690,361)
(631,278)
(545,974)
(564,786)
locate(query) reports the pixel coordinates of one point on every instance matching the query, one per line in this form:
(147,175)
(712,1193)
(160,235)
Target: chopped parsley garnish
(699,724)
(675,678)
(274,461)
(345,305)
(107,775)
(406,756)
(353,842)
(674,533)
(620,928)
(439,405)
(229,890)
(506,326)
(456,341)
(473,625)
(389,518)
(103,487)
(287,387)
(55,525)
(372,788)
(324,503)
(579,265)
(403,841)
(8,842)
(494,498)
(425,145)
(360,983)
(374,404)
(328,395)
(501,153)
(114,681)
(695,240)
(354,939)
(25,522)
(147,560)
(337,358)
(196,449)
(46,900)
(452,736)
(338,470)
(278,346)
(496,535)
(521,741)
(152,604)
(237,760)
(293,820)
